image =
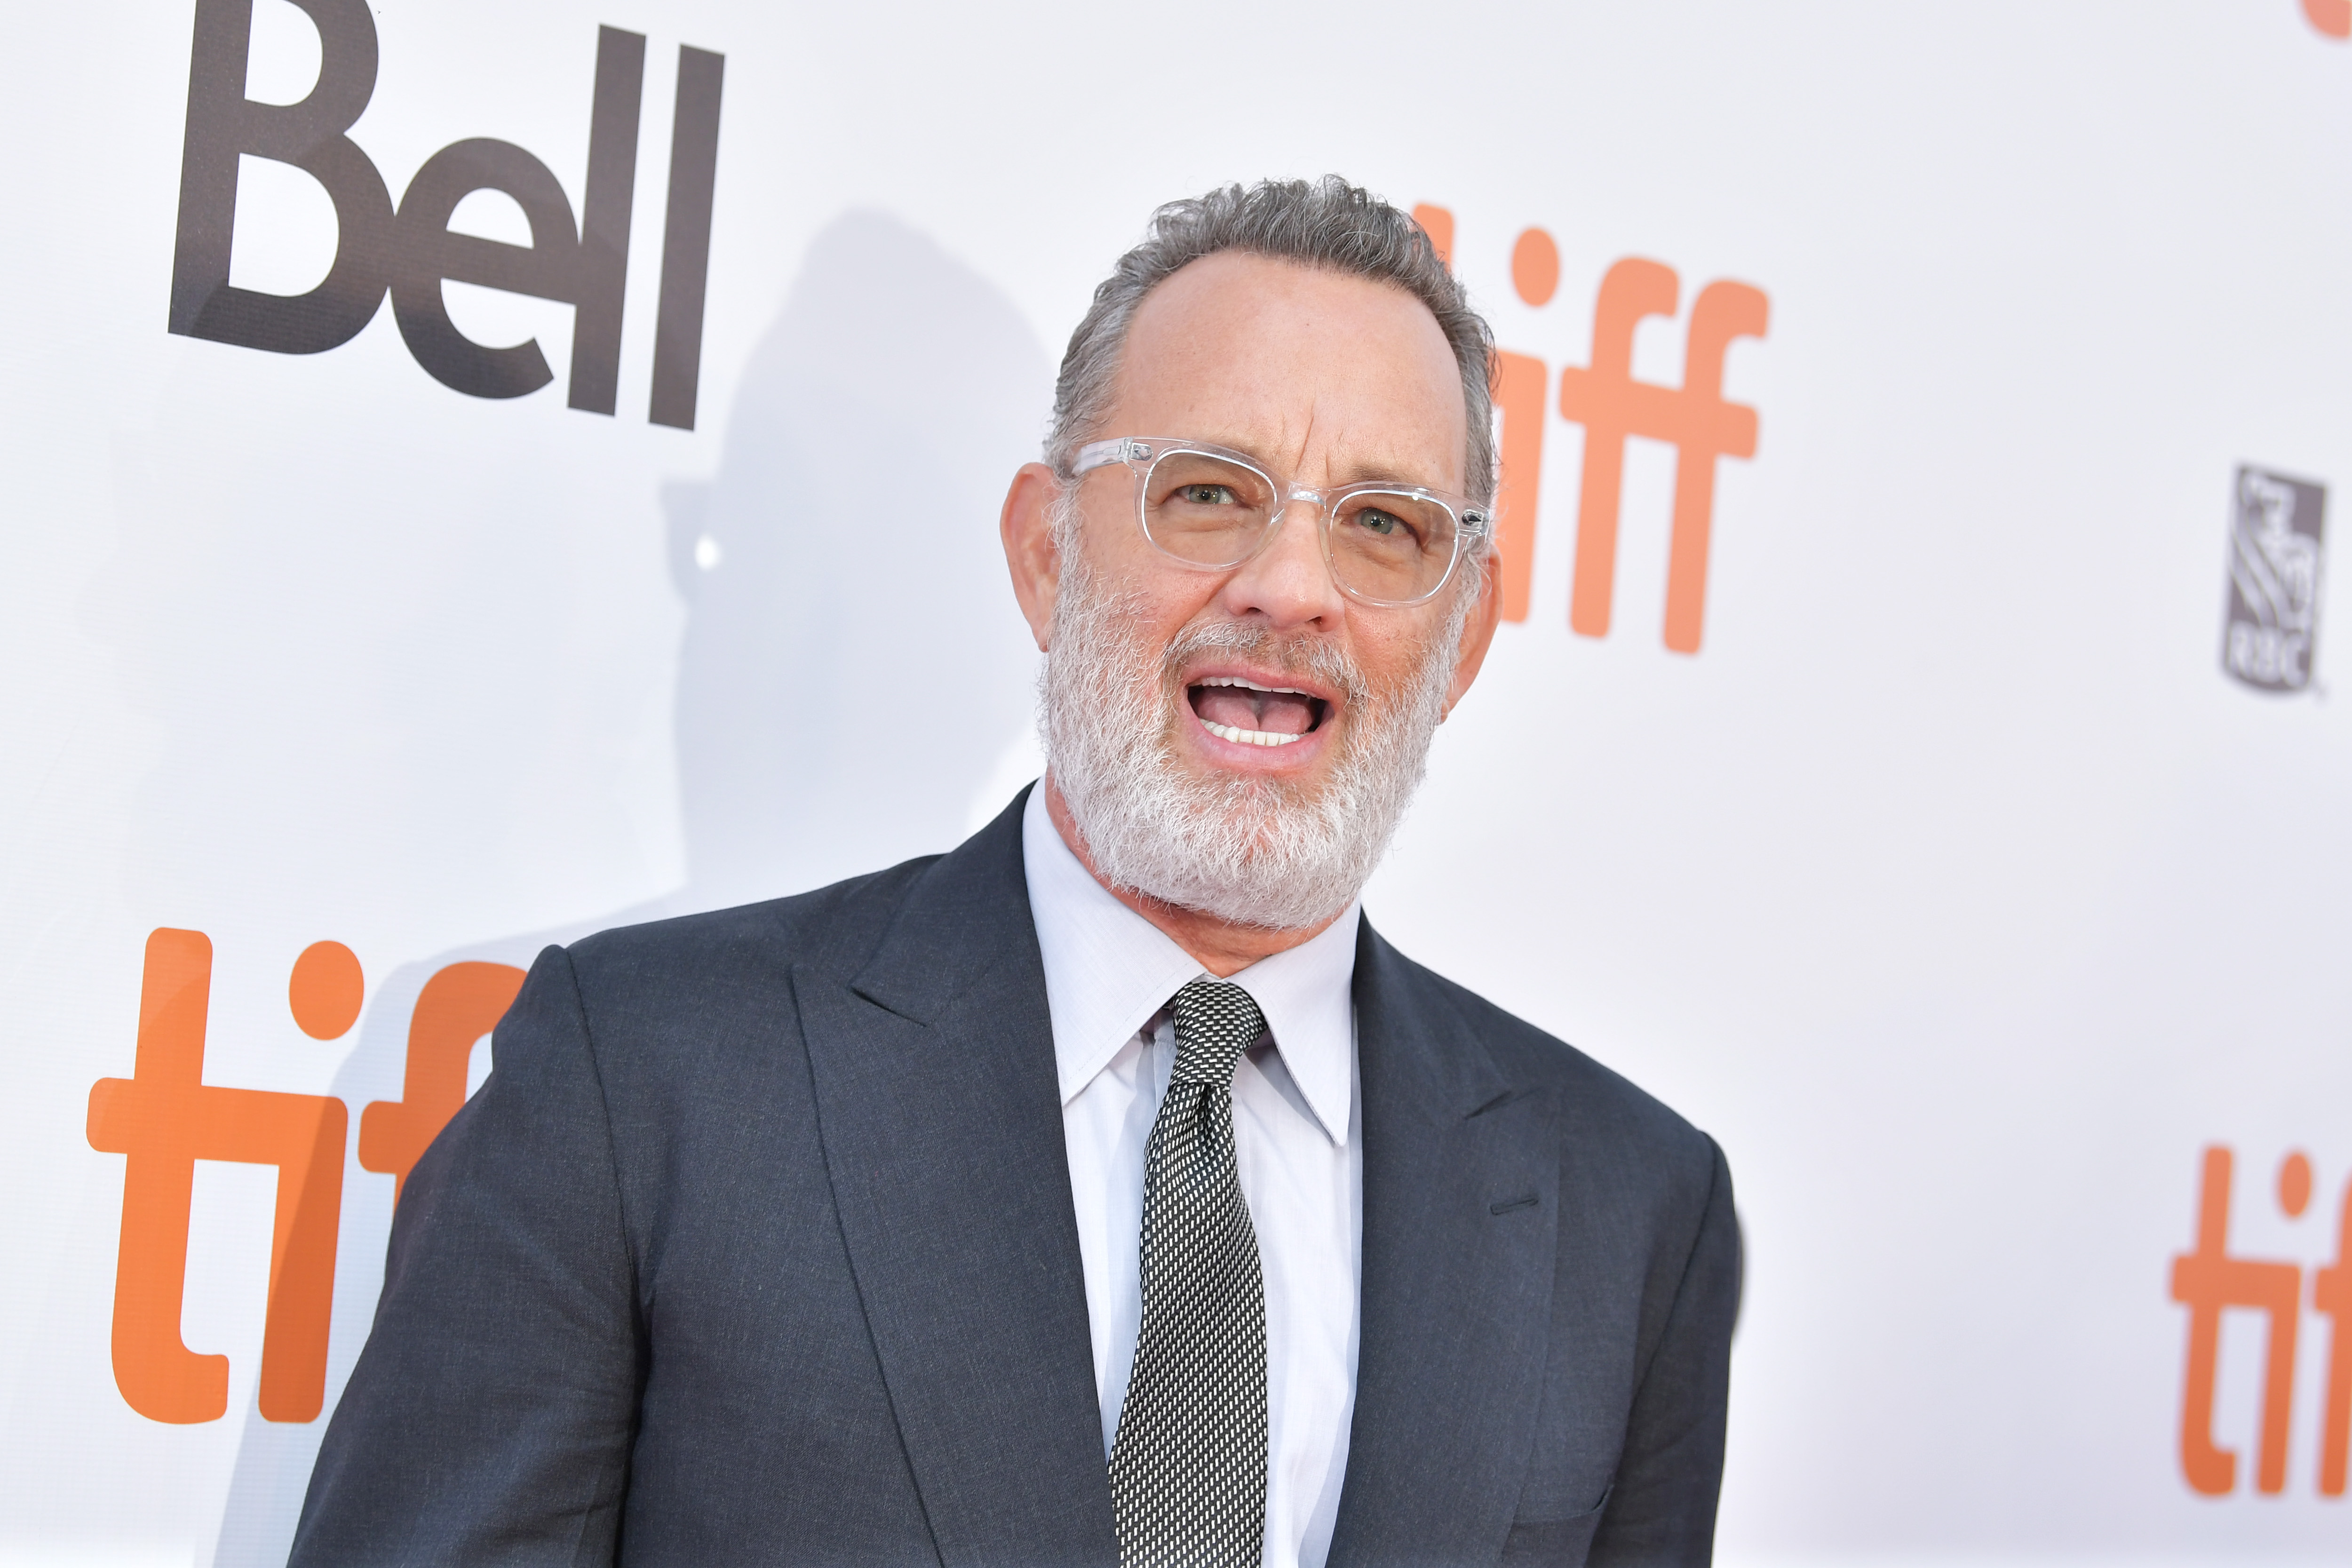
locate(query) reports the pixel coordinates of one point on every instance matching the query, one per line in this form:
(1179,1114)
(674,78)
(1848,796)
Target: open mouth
(1249,714)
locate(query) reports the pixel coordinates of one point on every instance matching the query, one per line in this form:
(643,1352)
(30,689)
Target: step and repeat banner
(475,474)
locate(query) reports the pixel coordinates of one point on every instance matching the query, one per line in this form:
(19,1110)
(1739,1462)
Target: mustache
(1274,853)
(1314,658)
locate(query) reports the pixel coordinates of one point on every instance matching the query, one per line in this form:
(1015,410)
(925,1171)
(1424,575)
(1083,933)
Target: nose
(1287,583)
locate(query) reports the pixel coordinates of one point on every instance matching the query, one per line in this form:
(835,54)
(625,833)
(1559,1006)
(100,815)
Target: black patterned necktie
(1188,1469)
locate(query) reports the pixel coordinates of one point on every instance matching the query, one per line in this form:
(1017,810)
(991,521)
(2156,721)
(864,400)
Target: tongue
(1279,712)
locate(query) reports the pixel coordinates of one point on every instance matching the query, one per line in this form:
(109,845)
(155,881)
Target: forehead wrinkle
(1344,463)
(1293,369)
(1350,459)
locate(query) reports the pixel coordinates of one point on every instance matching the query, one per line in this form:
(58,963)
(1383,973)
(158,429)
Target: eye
(1372,520)
(1207,495)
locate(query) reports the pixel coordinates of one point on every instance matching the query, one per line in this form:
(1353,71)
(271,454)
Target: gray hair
(1331,225)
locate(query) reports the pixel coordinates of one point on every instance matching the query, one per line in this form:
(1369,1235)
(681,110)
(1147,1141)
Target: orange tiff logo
(164,1118)
(1611,405)
(2210,1280)
(2332,17)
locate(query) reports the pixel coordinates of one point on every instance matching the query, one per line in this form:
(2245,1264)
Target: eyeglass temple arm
(1102,454)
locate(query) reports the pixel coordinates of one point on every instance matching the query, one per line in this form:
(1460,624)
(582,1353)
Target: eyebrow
(1359,473)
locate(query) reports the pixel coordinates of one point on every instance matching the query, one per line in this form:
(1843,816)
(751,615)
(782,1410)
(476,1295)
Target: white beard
(1245,848)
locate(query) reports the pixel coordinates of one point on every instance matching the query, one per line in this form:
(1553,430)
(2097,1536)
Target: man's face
(1326,379)
(1243,741)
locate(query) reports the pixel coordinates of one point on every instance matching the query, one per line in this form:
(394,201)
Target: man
(1107,1190)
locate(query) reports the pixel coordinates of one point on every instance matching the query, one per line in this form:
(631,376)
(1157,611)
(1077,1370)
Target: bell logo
(1611,405)
(408,251)
(164,1118)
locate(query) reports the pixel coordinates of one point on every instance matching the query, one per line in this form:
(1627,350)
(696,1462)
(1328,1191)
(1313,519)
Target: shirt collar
(1108,970)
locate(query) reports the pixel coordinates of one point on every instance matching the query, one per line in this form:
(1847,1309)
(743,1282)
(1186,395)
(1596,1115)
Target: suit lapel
(942,1128)
(1461,1211)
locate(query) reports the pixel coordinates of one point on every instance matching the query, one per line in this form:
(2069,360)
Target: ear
(1477,631)
(1027,527)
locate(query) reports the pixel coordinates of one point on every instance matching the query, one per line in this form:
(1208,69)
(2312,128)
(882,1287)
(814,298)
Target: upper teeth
(1250,685)
(1247,737)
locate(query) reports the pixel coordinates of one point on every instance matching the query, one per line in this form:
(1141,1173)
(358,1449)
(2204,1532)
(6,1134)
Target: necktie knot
(1216,1021)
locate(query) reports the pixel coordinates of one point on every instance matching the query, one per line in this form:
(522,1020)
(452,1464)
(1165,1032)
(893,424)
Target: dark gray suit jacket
(758,1248)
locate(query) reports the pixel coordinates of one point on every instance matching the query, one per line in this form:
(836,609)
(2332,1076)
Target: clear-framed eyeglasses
(1213,507)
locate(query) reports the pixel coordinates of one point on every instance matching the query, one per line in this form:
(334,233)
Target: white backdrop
(1952,882)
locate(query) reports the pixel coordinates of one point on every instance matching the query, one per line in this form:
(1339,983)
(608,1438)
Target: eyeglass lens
(1390,545)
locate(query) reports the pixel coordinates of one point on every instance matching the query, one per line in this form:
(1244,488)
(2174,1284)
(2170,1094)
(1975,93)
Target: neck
(1219,946)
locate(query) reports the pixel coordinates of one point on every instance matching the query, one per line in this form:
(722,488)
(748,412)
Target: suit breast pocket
(1553,1542)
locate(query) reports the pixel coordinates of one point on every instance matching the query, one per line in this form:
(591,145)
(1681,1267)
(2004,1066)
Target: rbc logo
(2276,531)
(409,249)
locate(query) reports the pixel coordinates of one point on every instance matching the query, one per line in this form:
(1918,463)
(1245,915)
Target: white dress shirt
(1109,973)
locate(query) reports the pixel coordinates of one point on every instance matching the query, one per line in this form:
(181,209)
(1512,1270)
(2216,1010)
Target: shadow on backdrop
(855,684)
